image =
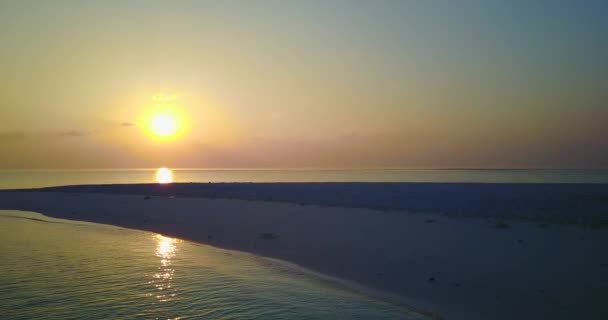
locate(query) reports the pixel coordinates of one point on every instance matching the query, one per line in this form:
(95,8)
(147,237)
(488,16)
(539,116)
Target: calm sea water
(58,269)
(40,178)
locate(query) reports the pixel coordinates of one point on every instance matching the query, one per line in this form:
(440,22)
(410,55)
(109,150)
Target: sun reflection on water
(166,247)
(162,280)
(164,175)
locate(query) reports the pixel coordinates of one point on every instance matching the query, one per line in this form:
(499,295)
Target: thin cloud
(127,124)
(74,133)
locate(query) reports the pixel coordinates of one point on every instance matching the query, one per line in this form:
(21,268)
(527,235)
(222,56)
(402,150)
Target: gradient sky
(289,84)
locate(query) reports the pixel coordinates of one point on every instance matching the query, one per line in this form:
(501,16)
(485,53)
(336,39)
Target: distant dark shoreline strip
(535,202)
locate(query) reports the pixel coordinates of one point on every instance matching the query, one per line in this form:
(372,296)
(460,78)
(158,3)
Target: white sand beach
(457,267)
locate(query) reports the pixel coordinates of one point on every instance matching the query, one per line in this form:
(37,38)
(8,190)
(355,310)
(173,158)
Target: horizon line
(315,169)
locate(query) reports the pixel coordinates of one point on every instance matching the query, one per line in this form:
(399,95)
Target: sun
(163,125)
(163,119)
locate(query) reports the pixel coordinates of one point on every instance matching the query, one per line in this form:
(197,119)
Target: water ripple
(57,270)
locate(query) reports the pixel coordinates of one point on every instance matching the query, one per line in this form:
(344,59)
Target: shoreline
(282,265)
(459,267)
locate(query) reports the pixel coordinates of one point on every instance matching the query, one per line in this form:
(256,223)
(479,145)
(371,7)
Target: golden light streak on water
(163,279)
(164,175)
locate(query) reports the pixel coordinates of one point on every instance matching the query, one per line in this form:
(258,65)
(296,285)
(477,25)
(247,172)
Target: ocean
(13,179)
(60,269)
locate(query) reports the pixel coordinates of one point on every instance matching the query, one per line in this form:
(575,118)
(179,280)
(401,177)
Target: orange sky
(289,84)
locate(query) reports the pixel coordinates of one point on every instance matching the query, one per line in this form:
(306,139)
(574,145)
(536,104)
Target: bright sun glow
(163,125)
(164,175)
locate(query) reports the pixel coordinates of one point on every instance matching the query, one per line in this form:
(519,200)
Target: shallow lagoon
(54,268)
